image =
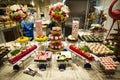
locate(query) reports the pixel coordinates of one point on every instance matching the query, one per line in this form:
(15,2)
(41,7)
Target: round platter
(56,32)
(23,39)
(55,50)
(72,40)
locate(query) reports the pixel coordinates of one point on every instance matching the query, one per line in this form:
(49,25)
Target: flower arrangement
(59,12)
(17,12)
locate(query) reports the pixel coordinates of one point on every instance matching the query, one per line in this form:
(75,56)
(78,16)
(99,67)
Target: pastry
(23,39)
(71,38)
(40,38)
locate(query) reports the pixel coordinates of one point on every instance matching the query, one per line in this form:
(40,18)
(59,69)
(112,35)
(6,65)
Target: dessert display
(3,51)
(99,49)
(43,56)
(108,64)
(64,56)
(13,59)
(41,38)
(55,37)
(79,52)
(75,27)
(71,38)
(23,39)
(91,38)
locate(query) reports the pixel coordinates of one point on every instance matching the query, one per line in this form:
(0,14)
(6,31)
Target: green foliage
(84,48)
(15,52)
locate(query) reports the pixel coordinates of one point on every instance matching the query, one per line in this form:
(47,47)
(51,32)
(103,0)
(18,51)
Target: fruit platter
(41,38)
(13,59)
(4,51)
(108,64)
(43,56)
(79,52)
(91,38)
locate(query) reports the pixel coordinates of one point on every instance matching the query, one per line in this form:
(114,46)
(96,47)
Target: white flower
(17,12)
(14,7)
(25,8)
(65,9)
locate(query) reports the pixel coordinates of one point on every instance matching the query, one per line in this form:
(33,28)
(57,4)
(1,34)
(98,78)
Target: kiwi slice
(15,52)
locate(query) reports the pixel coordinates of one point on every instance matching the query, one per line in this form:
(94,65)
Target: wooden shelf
(117,30)
(115,34)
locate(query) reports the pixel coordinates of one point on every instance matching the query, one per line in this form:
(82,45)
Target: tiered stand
(56,42)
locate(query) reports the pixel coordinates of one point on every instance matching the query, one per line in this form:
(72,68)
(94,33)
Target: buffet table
(74,62)
(43,46)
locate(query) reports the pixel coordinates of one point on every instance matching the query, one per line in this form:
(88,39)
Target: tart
(23,39)
(40,38)
(71,38)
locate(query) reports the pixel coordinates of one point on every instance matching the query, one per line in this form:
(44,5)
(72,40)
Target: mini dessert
(23,39)
(108,64)
(99,49)
(71,38)
(43,56)
(91,38)
(41,38)
(55,36)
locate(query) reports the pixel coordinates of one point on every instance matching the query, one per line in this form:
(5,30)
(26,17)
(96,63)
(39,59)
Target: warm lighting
(32,3)
(64,1)
(42,0)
